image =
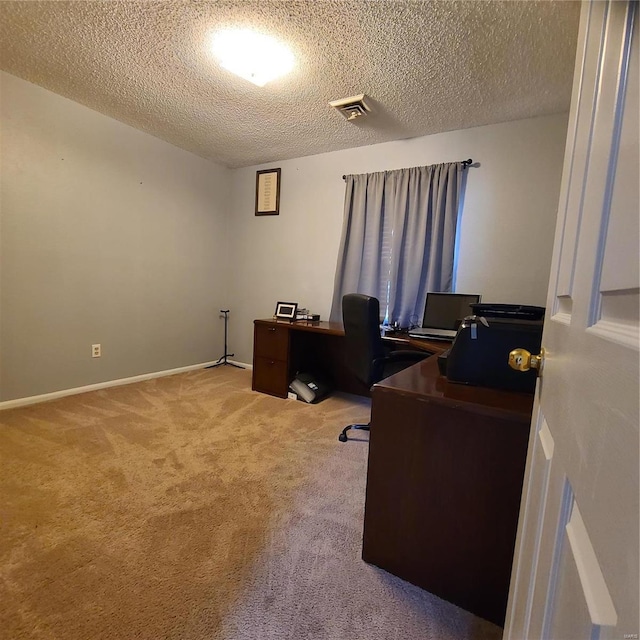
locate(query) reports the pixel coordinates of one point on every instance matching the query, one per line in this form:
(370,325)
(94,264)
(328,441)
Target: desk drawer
(270,376)
(271,342)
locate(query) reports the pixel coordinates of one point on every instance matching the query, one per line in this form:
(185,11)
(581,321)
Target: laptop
(442,311)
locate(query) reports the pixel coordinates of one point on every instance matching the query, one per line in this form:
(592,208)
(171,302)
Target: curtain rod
(465,164)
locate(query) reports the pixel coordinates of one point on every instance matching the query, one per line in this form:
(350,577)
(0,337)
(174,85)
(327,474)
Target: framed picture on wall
(286,310)
(268,192)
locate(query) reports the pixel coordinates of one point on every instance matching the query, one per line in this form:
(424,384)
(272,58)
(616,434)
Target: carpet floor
(190,507)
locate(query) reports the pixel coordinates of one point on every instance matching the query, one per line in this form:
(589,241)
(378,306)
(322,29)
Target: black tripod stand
(223,359)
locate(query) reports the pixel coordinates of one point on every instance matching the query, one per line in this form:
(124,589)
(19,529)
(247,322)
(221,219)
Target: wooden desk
(282,348)
(446,464)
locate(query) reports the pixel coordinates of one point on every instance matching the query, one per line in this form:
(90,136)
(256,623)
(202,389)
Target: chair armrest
(406,354)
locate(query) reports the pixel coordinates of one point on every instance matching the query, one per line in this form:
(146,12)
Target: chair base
(343,436)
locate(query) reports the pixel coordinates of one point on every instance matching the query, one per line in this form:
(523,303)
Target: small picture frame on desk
(286,310)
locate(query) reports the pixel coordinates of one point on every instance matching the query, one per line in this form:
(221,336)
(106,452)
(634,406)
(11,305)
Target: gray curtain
(398,238)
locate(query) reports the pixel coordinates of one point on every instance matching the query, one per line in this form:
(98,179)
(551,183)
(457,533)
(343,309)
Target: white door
(576,564)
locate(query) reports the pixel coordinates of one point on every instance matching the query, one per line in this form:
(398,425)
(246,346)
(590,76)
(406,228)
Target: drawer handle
(271,329)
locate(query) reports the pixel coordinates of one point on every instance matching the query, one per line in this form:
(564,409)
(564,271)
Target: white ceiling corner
(425,66)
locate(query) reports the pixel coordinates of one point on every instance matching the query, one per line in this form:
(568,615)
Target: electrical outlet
(96,350)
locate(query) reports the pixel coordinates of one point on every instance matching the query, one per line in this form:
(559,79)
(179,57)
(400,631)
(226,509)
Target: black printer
(480,352)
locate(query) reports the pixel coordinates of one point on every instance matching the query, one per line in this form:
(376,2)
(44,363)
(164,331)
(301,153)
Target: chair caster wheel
(342,437)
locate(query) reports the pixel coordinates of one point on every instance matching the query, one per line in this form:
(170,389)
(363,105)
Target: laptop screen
(442,310)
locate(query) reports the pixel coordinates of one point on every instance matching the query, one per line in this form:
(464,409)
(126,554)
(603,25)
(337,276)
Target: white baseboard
(21,402)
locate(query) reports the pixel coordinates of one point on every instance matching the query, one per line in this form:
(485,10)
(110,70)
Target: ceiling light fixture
(252,56)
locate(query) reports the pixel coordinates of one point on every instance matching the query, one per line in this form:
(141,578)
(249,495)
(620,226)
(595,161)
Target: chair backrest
(361,320)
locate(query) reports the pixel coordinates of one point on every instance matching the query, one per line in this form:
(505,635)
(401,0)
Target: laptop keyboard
(443,333)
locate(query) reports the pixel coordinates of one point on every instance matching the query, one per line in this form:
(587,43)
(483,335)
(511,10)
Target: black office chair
(367,356)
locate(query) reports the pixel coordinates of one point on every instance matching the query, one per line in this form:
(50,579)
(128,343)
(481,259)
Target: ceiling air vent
(352,108)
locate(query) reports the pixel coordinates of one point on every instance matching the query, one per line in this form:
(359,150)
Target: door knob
(523,360)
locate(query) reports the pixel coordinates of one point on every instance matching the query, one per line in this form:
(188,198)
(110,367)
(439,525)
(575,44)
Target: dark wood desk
(282,348)
(446,464)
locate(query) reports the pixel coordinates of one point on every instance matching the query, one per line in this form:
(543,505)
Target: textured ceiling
(428,66)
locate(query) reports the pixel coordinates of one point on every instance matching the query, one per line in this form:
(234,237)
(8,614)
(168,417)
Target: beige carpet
(192,507)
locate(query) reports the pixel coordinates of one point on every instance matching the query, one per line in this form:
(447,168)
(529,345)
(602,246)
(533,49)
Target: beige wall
(506,232)
(107,235)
